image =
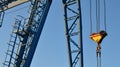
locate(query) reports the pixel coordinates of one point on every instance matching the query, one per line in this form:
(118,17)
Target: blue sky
(51,50)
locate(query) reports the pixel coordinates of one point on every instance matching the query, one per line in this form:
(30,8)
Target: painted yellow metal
(98,37)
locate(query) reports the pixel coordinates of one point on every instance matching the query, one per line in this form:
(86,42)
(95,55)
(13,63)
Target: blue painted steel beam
(24,59)
(81,33)
(3,4)
(37,35)
(67,35)
(6,4)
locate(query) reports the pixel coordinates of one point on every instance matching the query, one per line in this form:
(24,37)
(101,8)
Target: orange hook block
(98,37)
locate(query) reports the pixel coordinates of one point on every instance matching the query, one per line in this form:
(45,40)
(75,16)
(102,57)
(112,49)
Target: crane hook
(98,37)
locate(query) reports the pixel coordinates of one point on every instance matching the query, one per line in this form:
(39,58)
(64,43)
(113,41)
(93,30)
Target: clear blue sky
(51,50)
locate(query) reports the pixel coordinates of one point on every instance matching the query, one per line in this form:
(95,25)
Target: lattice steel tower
(73,29)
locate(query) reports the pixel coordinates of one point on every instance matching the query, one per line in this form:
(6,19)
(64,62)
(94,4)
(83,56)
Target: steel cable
(97,15)
(90,17)
(105,14)
(98,56)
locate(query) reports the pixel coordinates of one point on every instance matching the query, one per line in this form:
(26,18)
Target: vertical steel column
(80,34)
(73,31)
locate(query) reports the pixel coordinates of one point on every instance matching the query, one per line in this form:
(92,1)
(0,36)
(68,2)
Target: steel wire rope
(105,15)
(98,4)
(98,57)
(97,15)
(98,29)
(91,17)
(97,61)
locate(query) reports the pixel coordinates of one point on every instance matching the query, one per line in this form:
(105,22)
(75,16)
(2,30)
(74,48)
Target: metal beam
(73,31)
(7,4)
(33,45)
(14,4)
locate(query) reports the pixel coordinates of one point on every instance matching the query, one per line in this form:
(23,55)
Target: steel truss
(28,35)
(14,42)
(73,31)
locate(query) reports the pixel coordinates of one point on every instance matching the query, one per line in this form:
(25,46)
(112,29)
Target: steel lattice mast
(73,31)
(25,35)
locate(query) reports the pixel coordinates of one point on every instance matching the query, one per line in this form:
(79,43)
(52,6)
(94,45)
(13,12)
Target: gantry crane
(26,32)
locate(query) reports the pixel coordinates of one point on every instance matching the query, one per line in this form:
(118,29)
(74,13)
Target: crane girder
(7,4)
